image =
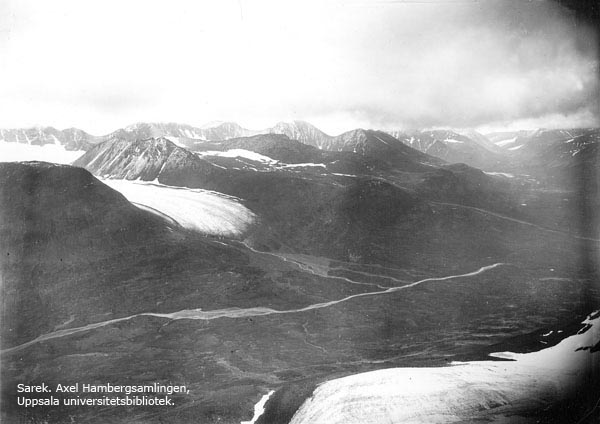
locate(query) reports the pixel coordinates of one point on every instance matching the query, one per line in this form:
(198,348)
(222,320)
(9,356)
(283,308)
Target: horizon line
(217,123)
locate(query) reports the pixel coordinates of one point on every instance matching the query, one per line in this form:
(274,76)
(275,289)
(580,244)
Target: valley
(243,264)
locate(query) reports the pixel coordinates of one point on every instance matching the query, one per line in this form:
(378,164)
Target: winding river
(234,313)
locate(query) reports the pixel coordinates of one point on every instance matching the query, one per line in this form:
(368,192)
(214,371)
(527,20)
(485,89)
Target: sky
(488,65)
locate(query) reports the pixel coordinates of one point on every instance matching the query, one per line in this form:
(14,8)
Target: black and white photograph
(299,211)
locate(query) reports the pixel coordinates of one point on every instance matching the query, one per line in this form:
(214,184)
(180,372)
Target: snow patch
(380,139)
(506,142)
(304,165)
(516,147)
(239,153)
(176,141)
(503,174)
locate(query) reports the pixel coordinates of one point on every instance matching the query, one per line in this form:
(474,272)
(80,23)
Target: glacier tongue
(462,392)
(204,211)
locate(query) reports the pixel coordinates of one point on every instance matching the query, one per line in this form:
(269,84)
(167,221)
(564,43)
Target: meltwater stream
(233,313)
(259,408)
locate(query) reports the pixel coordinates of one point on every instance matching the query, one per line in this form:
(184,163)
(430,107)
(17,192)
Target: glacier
(20,152)
(463,391)
(205,211)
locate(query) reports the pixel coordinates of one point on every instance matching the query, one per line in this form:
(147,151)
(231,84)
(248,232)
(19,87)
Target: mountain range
(274,176)
(239,263)
(497,152)
(70,139)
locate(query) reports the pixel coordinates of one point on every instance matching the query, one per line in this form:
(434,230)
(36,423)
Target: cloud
(342,63)
(461,67)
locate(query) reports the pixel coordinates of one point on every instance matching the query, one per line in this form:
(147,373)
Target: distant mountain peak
(221,124)
(298,123)
(302,131)
(213,124)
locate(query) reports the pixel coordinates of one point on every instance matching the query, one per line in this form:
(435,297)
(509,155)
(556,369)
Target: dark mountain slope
(142,159)
(287,151)
(89,211)
(52,217)
(276,146)
(462,184)
(381,146)
(298,207)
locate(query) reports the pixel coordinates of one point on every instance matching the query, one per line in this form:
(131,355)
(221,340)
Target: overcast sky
(101,65)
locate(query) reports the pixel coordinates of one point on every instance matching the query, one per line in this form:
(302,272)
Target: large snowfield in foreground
(462,392)
(18,152)
(204,211)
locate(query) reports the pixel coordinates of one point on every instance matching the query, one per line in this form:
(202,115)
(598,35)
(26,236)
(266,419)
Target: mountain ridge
(497,151)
